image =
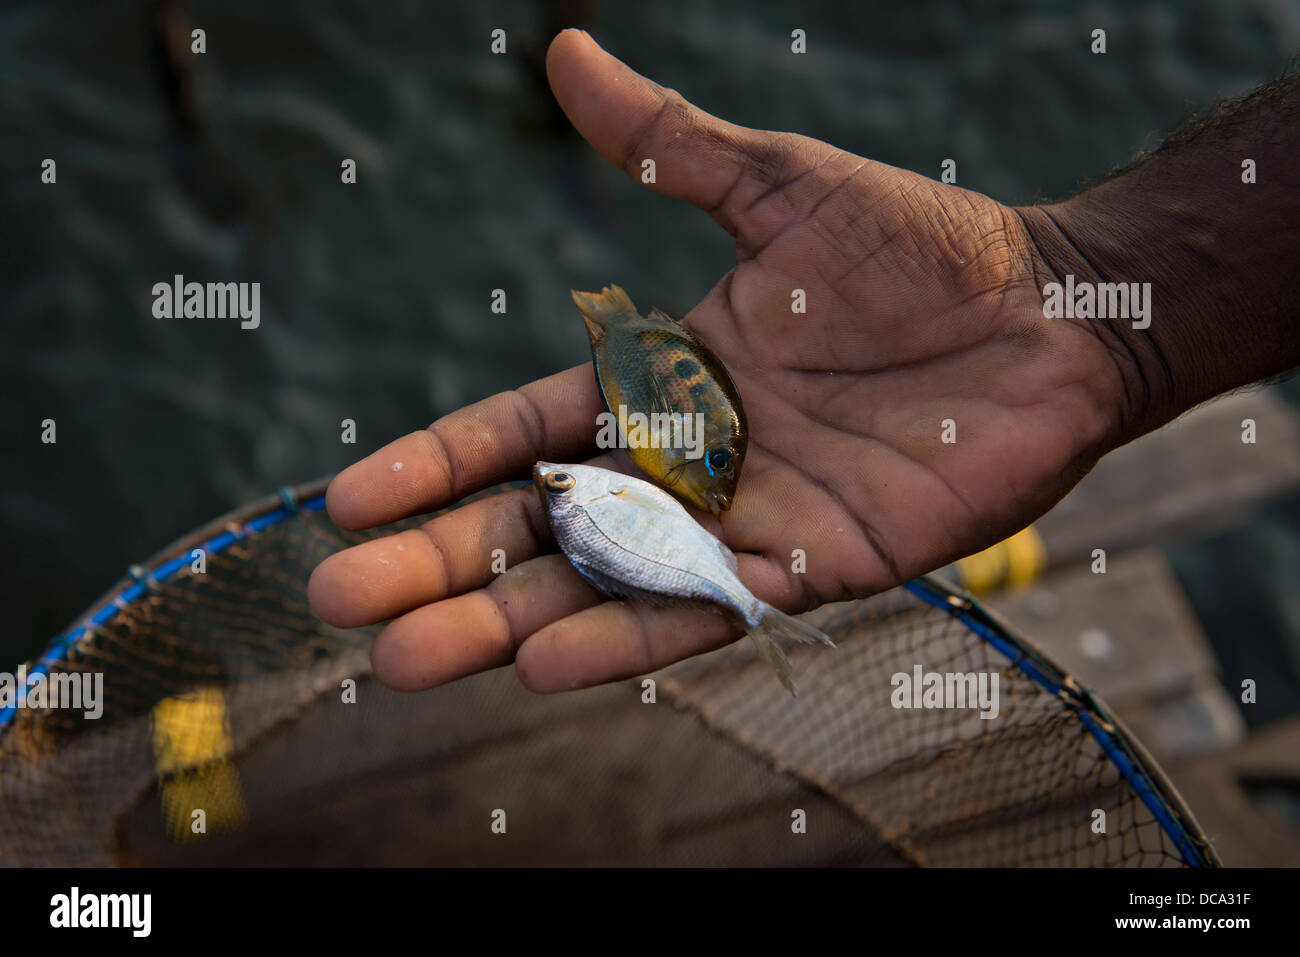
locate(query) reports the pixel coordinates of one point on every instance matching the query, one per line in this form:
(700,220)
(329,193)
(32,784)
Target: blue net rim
(1134,764)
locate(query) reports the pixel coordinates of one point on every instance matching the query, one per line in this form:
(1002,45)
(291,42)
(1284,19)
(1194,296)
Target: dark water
(375,297)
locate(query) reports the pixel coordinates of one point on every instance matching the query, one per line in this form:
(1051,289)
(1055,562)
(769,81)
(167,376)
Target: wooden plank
(1194,476)
(1247,829)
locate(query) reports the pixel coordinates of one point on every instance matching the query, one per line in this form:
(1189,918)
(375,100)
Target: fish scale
(650,364)
(661,579)
(630,539)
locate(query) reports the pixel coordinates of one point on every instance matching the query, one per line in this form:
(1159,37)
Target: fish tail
(603,307)
(777,624)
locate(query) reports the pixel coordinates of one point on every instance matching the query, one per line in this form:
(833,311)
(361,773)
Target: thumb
(722,168)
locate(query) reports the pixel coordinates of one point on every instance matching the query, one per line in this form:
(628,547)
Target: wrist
(1080,263)
(1209,221)
(1213,286)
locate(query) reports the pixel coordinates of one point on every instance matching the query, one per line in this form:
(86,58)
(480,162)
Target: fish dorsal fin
(657,313)
(602,309)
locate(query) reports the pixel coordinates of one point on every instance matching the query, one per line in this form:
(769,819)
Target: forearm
(1222,257)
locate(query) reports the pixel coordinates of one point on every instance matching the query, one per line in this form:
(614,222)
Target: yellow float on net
(192,746)
(1015,561)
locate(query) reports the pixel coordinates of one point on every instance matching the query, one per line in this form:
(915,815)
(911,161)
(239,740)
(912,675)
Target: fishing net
(238,729)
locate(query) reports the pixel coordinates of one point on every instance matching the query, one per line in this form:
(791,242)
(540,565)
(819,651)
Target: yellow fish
(678,412)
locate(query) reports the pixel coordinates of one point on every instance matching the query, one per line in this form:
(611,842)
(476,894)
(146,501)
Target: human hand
(923,305)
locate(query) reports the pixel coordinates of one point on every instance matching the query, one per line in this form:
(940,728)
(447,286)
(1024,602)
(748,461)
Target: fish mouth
(717,502)
(540,471)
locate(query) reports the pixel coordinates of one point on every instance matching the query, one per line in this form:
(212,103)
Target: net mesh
(239,729)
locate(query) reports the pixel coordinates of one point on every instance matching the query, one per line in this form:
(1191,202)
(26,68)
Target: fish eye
(559,481)
(718,460)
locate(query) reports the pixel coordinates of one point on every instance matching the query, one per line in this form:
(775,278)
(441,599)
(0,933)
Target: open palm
(907,403)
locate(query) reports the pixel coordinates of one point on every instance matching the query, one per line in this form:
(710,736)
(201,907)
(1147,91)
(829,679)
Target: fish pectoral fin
(656,393)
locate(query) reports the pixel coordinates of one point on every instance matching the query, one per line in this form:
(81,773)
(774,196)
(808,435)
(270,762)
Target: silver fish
(631,539)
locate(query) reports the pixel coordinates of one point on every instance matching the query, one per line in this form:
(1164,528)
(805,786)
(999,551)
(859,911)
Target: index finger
(480,445)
